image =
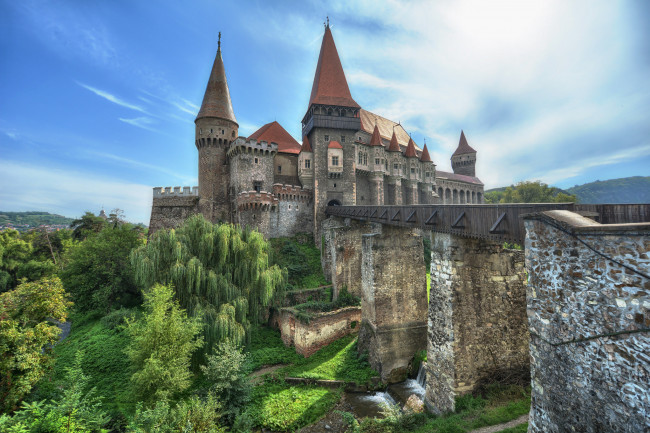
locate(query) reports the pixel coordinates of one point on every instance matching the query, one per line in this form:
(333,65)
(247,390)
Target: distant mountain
(625,190)
(32,219)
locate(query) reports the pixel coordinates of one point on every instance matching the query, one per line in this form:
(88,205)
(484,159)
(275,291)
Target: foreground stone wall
(393,301)
(322,329)
(477,331)
(169,211)
(589,318)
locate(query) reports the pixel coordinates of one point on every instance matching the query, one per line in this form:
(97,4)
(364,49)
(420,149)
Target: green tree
(189,416)
(14,253)
(226,373)
(26,333)
(162,343)
(86,226)
(98,273)
(219,271)
(529,192)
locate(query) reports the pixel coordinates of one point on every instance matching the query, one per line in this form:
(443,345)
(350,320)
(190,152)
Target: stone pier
(589,319)
(393,301)
(477,331)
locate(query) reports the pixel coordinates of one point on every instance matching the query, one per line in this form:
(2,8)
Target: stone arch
(473,196)
(334,203)
(441,194)
(454,193)
(461,197)
(479,197)
(447,196)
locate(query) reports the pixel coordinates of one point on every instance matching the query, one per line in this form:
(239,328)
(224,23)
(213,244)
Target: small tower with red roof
(216,128)
(463,161)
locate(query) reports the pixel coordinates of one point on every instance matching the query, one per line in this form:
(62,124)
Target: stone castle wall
(589,319)
(477,330)
(172,206)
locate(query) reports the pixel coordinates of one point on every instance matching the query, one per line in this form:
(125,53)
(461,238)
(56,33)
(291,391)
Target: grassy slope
(34,219)
(301,258)
(625,190)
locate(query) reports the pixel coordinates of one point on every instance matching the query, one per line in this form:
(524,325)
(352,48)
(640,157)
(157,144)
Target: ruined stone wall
(589,318)
(171,210)
(343,247)
(322,329)
(393,301)
(477,318)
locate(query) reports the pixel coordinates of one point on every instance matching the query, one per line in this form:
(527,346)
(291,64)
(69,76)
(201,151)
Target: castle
(348,156)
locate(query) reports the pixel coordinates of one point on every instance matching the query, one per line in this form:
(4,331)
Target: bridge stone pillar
(411,192)
(377,190)
(393,301)
(477,318)
(341,252)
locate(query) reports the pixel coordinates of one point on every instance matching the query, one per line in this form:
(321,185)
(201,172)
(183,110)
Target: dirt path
(257,374)
(496,428)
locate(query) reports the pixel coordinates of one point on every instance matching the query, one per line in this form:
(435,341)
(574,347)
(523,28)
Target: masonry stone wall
(285,169)
(250,167)
(171,210)
(322,329)
(294,212)
(393,301)
(477,331)
(589,319)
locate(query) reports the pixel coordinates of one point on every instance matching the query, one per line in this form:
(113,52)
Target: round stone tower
(216,128)
(463,161)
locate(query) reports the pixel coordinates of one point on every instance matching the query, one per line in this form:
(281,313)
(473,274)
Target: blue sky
(98,98)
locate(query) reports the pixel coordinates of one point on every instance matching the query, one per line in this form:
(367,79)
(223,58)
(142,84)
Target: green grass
(301,258)
(280,407)
(104,362)
(338,361)
(267,348)
(521,428)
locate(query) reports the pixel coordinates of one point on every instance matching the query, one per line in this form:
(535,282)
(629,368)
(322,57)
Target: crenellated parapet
(292,193)
(176,191)
(253,200)
(242,145)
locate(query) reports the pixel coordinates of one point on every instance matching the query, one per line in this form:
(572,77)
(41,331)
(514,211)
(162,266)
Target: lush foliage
(161,345)
(528,192)
(19,261)
(220,272)
(279,407)
(266,348)
(87,225)
(191,415)
(301,258)
(625,190)
(26,333)
(338,361)
(33,218)
(98,274)
(226,374)
(305,311)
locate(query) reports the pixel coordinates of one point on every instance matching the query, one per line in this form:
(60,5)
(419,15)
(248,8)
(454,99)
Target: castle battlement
(254,200)
(176,191)
(241,145)
(292,193)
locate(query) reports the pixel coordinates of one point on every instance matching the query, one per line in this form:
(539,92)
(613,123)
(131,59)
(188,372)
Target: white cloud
(70,192)
(185,180)
(110,97)
(140,122)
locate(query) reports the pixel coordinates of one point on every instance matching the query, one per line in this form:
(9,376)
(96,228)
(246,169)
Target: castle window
(334,185)
(412,170)
(376,161)
(296,208)
(307,163)
(360,158)
(335,160)
(289,207)
(233,134)
(386,165)
(327,137)
(255,160)
(211,130)
(395,167)
(223,132)
(342,138)
(365,159)
(279,169)
(257,186)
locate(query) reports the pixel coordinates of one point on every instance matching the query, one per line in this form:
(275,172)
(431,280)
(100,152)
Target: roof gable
(306,146)
(274,133)
(334,145)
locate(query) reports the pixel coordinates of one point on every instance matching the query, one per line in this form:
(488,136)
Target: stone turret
(306,164)
(463,161)
(216,128)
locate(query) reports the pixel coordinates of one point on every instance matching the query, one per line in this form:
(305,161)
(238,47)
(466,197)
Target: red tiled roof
(410,150)
(425,155)
(274,133)
(458,177)
(334,145)
(463,147)
(330,86)
(216,100)
(394,145)
(306,146)
(375,140)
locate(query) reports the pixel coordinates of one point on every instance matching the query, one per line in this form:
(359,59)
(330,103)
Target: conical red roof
(410,150)
(394,145)
(274,133)
(306,146)
(463,147)
(375,140)
(425,154)
(330,86)
(216,101)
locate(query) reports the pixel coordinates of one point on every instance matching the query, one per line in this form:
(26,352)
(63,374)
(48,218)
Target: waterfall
(422,376)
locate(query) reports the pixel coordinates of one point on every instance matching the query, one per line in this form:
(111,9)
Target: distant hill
(32,219)
(625,190)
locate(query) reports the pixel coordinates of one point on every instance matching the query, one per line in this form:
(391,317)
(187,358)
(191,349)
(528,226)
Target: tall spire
(463,146)
(216,101)
(425,157)
(394,145)
(375,140)
(410,150)
(330,86)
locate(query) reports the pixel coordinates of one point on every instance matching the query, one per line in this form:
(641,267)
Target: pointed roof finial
(219,43)
(328,21)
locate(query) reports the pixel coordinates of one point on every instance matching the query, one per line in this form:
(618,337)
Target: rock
(327,427)
(414,404)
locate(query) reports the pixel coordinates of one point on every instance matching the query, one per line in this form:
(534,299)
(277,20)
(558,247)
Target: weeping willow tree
(219,271)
